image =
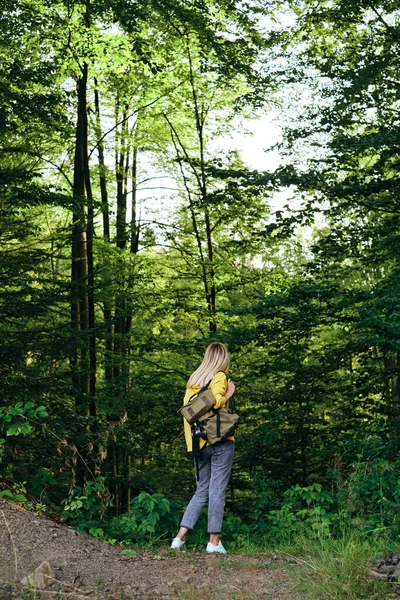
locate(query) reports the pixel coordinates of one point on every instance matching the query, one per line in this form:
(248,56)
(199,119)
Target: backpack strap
(196,452)
(203,389)
(195,438)
(218,424)
(216,410)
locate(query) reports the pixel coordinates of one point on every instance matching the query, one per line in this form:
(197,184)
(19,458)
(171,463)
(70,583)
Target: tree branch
(134,113)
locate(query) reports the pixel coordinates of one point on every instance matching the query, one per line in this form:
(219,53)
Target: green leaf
(14,429)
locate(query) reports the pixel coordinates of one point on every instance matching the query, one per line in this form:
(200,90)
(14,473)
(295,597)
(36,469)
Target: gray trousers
(215,465)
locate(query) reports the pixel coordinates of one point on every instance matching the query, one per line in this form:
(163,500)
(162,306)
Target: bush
(305,511)
(151,518)
(85,508)
(18,420)
(366,500)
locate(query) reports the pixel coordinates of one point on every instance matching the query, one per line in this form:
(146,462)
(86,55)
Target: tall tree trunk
(91,291)
(121,171)
(79,304)
(82,285)
(134,247)
(82,303)
(201,177)
(120,367)
(212,298)
(121,175)
(181,150)
(102,167)
(212,303)
(105,209)
(391,366)
(134,225)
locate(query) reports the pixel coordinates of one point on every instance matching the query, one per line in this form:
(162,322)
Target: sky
(252,140)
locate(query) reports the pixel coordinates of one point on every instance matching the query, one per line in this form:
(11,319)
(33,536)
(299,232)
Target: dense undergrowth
(333,535)
(334,532)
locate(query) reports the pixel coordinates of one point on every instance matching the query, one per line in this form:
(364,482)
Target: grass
(329,569)
(323,568)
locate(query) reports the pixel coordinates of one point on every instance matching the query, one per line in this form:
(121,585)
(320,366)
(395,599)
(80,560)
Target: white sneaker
(177,543)
(219,549)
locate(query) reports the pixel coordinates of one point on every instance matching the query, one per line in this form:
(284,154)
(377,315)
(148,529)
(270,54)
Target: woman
(215,461)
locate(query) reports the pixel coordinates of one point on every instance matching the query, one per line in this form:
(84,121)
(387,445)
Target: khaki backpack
(208,423)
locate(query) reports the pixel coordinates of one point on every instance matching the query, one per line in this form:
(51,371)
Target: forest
(134,231)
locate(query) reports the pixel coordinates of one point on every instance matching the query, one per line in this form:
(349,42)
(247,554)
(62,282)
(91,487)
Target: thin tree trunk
(82,305)
(121,173)
(79,304)
(116,477)
(82,286)
(202,182)
(134,224)
(391,366)
(213,292)
(122,168)
(178,144)
(134,240)
(128,499)
(106,230)
(91,299)
(102,167)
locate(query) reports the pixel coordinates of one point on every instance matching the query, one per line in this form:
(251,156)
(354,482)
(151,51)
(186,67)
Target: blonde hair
(216,358)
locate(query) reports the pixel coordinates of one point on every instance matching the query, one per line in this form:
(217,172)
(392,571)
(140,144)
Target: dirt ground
(87,568)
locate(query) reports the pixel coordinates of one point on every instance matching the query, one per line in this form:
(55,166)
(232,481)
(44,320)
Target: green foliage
(128,552)
(234,530)
(151,518)
(18,494)
(372,492)
(18,420)
(85,507)
(10,417)
(363,501)
(305,512)
(41,480)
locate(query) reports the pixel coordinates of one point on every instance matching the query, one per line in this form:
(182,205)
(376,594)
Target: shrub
(151,518)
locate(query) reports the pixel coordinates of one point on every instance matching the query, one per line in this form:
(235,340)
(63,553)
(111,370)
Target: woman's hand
(230,389)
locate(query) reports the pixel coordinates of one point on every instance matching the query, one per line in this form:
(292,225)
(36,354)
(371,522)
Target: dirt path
(98,571)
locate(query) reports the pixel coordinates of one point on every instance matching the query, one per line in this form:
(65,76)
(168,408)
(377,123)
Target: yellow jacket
(218,386)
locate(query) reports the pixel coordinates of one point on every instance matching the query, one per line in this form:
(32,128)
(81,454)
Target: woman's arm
(222,389)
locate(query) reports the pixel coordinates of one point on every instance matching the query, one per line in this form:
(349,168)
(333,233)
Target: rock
(394,575)
(376,574)
(41,578)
